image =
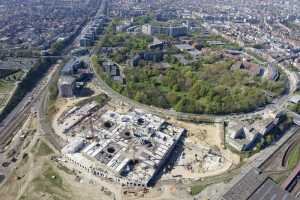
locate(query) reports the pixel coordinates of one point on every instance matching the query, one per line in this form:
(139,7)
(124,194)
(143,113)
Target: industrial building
(256,186)
(130,148)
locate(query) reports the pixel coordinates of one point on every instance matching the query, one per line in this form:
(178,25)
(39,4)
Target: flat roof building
(189,49)
(71,66)
(66,86)
(256,186)
(173,31)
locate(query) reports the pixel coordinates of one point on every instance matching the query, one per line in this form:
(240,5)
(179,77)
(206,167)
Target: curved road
(276,105)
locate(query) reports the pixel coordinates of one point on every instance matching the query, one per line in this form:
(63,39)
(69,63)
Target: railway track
(288,151)
(279,157)
(275,172)
(42,106)
(18,116)
(13,127)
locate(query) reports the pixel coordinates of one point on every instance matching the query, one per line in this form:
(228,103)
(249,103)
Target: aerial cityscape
(146,99)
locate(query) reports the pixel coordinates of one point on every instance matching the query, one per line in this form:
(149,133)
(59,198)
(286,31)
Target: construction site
(134,148)
(129,148)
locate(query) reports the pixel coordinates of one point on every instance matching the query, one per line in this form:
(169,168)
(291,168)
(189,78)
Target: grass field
(8,83)
(41,149)
(44,149)
(6,86)
(280,178)
(294,157)
(48,183)
(197,189)
(52,177)
(3,99)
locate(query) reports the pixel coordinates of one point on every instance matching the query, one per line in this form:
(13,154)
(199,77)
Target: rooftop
(69,67)
(256,186)
(66,80)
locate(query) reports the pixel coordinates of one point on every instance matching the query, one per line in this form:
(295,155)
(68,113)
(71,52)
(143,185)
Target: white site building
(243,136)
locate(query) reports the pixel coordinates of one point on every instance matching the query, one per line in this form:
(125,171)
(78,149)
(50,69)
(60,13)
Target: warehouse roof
(256,186)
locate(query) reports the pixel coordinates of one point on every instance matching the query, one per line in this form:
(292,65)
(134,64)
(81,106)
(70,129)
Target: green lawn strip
(44,149)
(280,178)
(196,189)
(50,182)
(52,176)
(293,158)
(6,86)
(41,149)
